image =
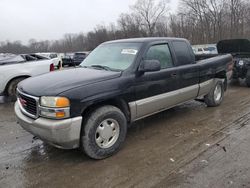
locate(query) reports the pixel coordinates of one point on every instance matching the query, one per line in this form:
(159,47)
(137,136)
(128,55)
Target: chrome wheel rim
(217,93)
(107,133)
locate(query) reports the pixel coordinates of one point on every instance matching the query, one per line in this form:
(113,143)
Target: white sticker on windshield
(129,51)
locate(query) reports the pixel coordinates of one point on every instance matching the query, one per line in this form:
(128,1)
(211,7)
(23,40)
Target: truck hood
(54,83)
(234,46)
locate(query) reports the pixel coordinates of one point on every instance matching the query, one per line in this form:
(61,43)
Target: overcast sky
(51,19)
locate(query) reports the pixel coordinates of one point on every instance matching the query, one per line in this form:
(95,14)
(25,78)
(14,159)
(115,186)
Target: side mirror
(150,66)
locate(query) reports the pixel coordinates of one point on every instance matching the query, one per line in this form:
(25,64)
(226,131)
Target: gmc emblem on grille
(23,102)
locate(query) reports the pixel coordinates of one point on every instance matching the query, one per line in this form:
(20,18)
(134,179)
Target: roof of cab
(146,40)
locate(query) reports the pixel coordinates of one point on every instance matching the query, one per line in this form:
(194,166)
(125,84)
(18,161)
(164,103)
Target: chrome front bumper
(59,133)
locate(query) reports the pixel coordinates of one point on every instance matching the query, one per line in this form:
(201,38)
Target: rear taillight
(51,67)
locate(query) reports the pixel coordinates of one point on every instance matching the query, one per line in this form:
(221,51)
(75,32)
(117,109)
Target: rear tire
(59,65)
(11,89)
(248,78)
(103,132)
(216,95)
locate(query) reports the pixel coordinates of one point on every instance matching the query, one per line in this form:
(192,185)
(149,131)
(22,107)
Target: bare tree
(150,13)
(213,20)
(130,25)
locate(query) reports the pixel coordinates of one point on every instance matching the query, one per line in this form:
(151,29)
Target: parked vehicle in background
(201,51)
(67,59)
(19,67)
(34,57)
(79,57)
(205,49)
(55,57)
(118,83)
(6,59)
(212,49)
(240,50)
(5,55)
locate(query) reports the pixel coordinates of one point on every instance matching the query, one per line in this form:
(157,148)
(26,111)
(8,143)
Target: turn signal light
(62,102)
(60,114)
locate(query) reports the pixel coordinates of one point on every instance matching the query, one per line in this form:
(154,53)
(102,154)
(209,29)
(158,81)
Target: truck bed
(214,65)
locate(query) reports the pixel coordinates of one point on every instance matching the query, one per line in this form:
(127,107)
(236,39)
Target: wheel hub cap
(107,133)
(217,93)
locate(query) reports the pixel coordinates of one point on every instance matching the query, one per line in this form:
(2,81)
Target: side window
(161,53)
(183,53)
(52,56)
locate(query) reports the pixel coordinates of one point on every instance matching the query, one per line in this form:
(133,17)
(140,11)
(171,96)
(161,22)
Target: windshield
(116,56)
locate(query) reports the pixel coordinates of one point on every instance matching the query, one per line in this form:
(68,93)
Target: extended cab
(118,83)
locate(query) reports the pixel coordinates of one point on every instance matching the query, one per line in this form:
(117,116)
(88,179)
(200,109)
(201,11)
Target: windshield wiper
(101,67)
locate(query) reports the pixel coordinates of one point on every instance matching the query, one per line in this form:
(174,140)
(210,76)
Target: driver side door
(156,91)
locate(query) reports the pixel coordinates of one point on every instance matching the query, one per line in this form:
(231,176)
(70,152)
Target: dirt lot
(187,146)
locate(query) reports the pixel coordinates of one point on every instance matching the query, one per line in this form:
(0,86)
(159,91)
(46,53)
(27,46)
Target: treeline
(200,21)
(208,21)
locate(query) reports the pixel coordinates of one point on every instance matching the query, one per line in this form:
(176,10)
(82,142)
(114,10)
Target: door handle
(174,75)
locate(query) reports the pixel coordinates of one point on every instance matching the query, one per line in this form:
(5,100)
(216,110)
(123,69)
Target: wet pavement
(187,146)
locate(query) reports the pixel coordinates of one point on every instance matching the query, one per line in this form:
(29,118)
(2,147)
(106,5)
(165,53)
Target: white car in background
(200,51)
(55,57)
(14,69)
(205,49)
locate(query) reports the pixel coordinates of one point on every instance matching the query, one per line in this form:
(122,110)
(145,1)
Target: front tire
(11,89)
(104,132)
(248,78)
(216,95)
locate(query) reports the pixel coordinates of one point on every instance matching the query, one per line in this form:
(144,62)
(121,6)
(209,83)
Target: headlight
(241,62)
(54,107)
(55,102)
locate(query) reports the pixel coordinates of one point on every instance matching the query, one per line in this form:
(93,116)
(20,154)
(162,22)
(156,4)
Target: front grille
(28,104)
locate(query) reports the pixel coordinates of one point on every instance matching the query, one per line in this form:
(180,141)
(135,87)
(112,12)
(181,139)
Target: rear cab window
(183,53)
(161,53)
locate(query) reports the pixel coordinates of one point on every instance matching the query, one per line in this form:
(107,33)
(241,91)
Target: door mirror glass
(150,66)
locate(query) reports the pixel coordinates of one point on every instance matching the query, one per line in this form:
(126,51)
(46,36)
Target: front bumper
(59,133)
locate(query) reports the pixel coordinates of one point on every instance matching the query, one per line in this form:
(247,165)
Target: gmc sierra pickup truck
(118,83)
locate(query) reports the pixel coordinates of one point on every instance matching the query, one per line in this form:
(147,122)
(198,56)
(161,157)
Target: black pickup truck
(118,83)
